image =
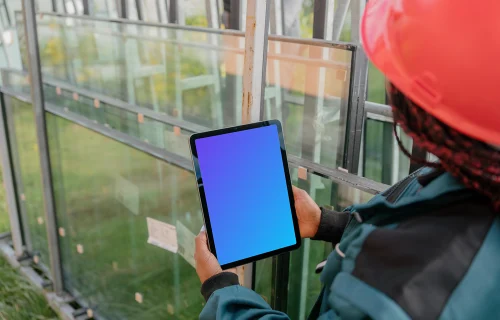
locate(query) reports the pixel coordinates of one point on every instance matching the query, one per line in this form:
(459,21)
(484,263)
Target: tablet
(245,192)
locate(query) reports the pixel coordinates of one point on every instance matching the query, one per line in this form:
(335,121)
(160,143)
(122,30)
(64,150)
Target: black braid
(472,162)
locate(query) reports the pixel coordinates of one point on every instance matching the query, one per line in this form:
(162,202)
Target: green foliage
(19,300)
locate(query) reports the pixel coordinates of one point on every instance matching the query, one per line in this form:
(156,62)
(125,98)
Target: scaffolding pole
(38,105)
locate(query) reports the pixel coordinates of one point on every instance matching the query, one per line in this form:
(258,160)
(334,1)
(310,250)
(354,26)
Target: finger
(201,238)
(201,247)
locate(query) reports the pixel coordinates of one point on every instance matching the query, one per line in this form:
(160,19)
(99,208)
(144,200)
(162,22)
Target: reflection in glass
(308,90)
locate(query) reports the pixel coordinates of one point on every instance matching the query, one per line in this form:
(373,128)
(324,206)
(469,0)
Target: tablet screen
(246,193)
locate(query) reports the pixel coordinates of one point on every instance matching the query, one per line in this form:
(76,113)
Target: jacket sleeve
(237,302)
(332,225)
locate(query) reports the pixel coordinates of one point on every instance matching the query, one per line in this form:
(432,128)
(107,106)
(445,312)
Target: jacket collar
(432,190)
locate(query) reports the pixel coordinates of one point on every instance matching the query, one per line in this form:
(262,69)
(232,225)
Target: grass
(19,300)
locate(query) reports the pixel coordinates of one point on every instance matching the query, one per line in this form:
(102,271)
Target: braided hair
(474,163)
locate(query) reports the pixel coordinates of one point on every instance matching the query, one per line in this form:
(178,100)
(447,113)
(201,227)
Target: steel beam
(37,99)
(356,114)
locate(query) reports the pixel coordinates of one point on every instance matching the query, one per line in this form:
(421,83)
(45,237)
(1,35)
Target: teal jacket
(425,249)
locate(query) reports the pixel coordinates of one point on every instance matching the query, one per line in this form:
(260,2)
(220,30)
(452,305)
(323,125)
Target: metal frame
(170,25)
(38,105)
(357,112)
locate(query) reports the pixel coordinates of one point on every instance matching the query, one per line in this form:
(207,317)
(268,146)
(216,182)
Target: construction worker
(429,247)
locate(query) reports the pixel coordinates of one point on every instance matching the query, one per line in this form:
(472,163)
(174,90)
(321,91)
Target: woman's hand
(207,265)
(308,213)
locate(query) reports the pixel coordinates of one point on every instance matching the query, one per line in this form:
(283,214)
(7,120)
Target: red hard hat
(443,55)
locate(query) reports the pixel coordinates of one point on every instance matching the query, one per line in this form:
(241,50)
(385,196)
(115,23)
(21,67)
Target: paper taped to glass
(162,235)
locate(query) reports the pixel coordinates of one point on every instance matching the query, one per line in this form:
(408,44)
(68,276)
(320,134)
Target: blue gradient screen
(246,193)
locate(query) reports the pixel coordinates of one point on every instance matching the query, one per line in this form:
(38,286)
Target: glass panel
(308,90)
(376,85)
(27,174)
(4,215)
(304,285)
(263,278)
(104,192)
(383,161)
(197,78)
(13,6)
(298,18)
(161,135)
(105,8)
(16,80)
(43,5)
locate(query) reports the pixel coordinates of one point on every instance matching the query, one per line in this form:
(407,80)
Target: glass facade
(121,100)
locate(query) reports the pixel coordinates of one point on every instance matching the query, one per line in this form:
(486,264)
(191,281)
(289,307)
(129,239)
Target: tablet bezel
(203,200)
